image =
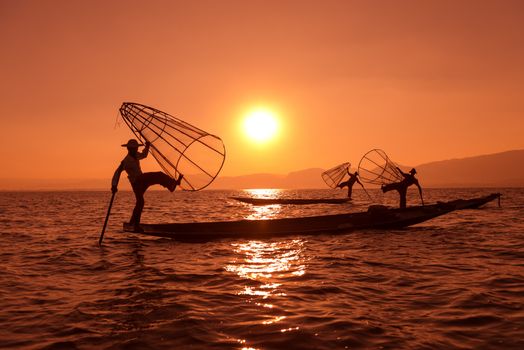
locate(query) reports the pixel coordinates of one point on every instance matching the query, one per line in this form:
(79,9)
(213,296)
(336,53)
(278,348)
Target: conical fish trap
(375,167)
(179,147)
(334,176)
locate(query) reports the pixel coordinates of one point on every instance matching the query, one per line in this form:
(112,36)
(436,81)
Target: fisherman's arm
(116,178)
(401,172)
(145,152)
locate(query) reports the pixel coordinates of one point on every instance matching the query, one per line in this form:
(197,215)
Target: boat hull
(474,203)
(294,201)
(376,217)
(340,223)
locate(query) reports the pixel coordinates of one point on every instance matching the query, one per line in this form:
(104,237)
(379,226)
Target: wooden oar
(107,218)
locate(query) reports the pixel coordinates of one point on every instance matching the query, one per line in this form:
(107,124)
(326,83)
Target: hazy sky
(423,80)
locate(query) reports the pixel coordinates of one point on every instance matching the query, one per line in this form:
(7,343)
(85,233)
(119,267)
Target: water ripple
(456,282)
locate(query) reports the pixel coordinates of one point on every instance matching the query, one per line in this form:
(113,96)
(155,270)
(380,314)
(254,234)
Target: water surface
(455,282)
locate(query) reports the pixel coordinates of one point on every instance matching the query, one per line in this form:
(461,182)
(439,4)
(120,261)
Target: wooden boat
(376,217)
(474,203)
(296,201)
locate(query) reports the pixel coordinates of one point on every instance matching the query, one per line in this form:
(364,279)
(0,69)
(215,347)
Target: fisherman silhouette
(140,182)
(350,182)
(402,186)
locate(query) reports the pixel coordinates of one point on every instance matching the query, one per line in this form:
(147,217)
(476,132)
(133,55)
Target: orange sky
(424,80)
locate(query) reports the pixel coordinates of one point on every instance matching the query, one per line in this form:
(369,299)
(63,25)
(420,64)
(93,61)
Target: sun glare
(260,125)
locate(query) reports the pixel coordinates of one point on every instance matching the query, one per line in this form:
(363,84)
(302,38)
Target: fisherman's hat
(132,143)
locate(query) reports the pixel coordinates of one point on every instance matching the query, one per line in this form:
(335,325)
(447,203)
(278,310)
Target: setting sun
(260,125)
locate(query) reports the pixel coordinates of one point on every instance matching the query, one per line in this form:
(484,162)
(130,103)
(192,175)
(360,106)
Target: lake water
(454,282)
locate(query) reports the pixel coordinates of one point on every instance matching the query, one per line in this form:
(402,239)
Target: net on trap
(334,176)
(178,147)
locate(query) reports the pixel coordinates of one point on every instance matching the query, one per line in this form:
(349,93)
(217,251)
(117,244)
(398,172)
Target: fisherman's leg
(342,184)
(403,193)
(157,178)
(350,190)
(139,206)
(388,187)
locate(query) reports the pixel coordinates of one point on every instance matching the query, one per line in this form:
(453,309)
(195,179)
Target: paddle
(107,218)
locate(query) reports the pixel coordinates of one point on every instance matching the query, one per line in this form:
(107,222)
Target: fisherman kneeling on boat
(140,182)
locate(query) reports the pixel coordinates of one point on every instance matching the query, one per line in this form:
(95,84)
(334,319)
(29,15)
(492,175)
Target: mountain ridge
(502,169)
(496,169)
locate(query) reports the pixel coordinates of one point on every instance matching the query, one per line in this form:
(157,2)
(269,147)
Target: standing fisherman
(350,182)
(402,186)
(140,182)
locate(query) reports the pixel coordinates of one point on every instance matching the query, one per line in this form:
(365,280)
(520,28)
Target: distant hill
(11,184)
(505,169)
(248,181)
(308,178)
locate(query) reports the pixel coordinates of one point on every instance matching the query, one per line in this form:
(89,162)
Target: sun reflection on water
(264,212)
(271,265)
(264,192)
(268,259)
(274,320)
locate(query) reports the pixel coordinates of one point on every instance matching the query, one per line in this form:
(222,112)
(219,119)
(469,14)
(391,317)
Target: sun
(261,125)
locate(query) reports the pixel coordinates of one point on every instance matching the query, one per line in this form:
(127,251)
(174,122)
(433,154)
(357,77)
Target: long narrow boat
(474,203)
(376,217)
(296,201)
